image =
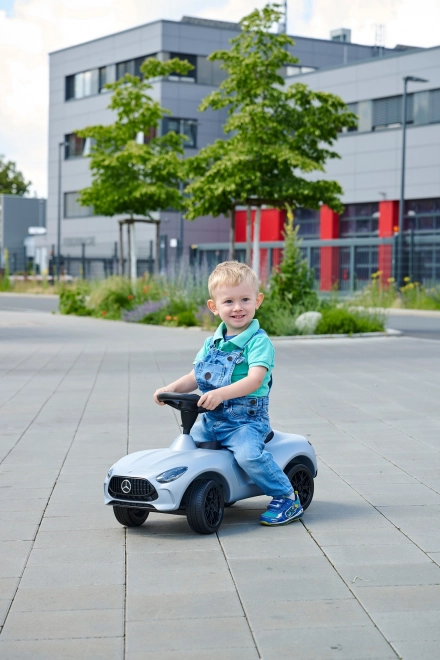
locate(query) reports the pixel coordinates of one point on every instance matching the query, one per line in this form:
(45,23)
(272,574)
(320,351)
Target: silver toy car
(198,481)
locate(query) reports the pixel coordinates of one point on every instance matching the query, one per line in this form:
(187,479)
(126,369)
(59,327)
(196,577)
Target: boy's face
(235,305)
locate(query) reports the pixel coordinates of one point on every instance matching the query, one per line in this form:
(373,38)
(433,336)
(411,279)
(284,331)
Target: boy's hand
(211,400)
(161,389)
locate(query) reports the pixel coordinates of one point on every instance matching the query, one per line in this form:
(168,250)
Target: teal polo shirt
(258,353)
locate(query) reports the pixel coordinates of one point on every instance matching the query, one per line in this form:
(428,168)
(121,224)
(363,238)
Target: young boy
(233,370)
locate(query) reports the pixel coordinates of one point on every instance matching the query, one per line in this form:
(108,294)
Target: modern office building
(78,99)
(370,167)
(17,215)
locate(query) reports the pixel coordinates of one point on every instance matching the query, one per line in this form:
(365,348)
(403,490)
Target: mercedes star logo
(126,486)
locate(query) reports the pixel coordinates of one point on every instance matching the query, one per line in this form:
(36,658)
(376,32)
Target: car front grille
(140,489)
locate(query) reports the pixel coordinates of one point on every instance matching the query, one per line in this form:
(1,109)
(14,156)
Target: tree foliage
(293,283)
(128,176)
(279,137)
(12,181)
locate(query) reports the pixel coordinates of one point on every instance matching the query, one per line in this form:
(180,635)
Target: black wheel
(205,506)
(227,504)
(302,481)
(130,517)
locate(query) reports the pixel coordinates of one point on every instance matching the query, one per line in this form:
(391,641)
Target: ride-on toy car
(198,480)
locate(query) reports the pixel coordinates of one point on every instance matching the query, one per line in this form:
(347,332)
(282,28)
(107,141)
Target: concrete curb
(11,294)
(360,335)
(397,311)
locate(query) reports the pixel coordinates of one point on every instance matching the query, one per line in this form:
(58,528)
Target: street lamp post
(399,274)
(61,146)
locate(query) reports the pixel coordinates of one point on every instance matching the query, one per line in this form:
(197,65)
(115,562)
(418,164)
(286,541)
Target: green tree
(280,136)
(12,181)
(293,283)
(135,171)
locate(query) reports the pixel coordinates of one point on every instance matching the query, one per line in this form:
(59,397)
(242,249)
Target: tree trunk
(128,249)
(232,236)
(157,255)
(248,235)
(256,253)
(121,250)
(133,259)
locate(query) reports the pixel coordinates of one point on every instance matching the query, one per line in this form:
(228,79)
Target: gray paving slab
(417,648)
(207,605)
(362,643)
(197,654)
(5,604)
(65,649)
(63,624)
(191,634)
(372,575)
(396,599)
(75,396)
(73,575)
(407,626)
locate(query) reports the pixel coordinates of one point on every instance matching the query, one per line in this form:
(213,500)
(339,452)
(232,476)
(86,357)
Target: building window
(387,113)
(73,209)
(89,83)
(296,70)
(360,220)
(107,74)
(434,106)
(422,215)
(133,67)
(209,73)
(76,147)
(308,221)
(422,108)
(187,127)
(191,76)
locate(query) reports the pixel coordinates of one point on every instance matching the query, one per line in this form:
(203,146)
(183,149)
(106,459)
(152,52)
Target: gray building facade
(78,99)
(17,214)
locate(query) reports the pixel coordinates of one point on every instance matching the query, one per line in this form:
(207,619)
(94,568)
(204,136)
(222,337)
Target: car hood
(143,463)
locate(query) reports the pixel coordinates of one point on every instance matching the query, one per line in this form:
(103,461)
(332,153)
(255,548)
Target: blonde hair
(231,273)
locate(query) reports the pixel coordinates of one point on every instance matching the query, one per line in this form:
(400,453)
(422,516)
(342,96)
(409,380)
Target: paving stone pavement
(358,579)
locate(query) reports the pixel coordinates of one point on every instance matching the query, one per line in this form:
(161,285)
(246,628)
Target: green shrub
(111,296)
(293,283)
(341,321)
(186,318)
(276,319)
(73,301)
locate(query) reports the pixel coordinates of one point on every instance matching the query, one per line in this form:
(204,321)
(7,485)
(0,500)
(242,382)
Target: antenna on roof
(379,40)
(282,25)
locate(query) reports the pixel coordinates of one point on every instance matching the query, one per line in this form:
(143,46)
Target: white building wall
(370,164)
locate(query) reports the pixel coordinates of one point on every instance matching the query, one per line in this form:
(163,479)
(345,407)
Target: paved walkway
(360,578)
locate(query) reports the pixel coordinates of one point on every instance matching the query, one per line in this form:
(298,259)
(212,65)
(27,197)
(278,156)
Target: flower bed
(412,295)
(182,303)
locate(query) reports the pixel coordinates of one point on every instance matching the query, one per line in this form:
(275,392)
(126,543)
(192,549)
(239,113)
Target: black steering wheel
(182,402)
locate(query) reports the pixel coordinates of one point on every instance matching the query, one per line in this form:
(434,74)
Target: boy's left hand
(211,400)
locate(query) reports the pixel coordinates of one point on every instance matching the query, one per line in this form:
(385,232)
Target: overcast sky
(30,29)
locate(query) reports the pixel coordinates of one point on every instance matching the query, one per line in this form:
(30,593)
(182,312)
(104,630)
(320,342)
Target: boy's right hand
(161,389)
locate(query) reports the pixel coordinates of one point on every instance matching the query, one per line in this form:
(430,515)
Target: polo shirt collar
(240,339)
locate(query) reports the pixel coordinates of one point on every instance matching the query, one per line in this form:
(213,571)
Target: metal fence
(344,264)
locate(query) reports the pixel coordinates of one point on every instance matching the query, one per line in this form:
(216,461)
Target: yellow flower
(391,280)
(406,279)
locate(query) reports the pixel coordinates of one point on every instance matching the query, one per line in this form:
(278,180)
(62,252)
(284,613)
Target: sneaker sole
(277,524)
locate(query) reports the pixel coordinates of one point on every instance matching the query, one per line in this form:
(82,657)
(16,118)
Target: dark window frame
(166,129)
(88,209)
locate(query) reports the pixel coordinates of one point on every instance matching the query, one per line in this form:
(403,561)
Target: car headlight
(171,475)
(110,472)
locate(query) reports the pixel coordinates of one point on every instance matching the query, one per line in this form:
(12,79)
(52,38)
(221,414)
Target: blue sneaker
(282,511)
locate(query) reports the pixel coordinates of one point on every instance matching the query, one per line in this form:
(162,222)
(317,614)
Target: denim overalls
(241,424)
